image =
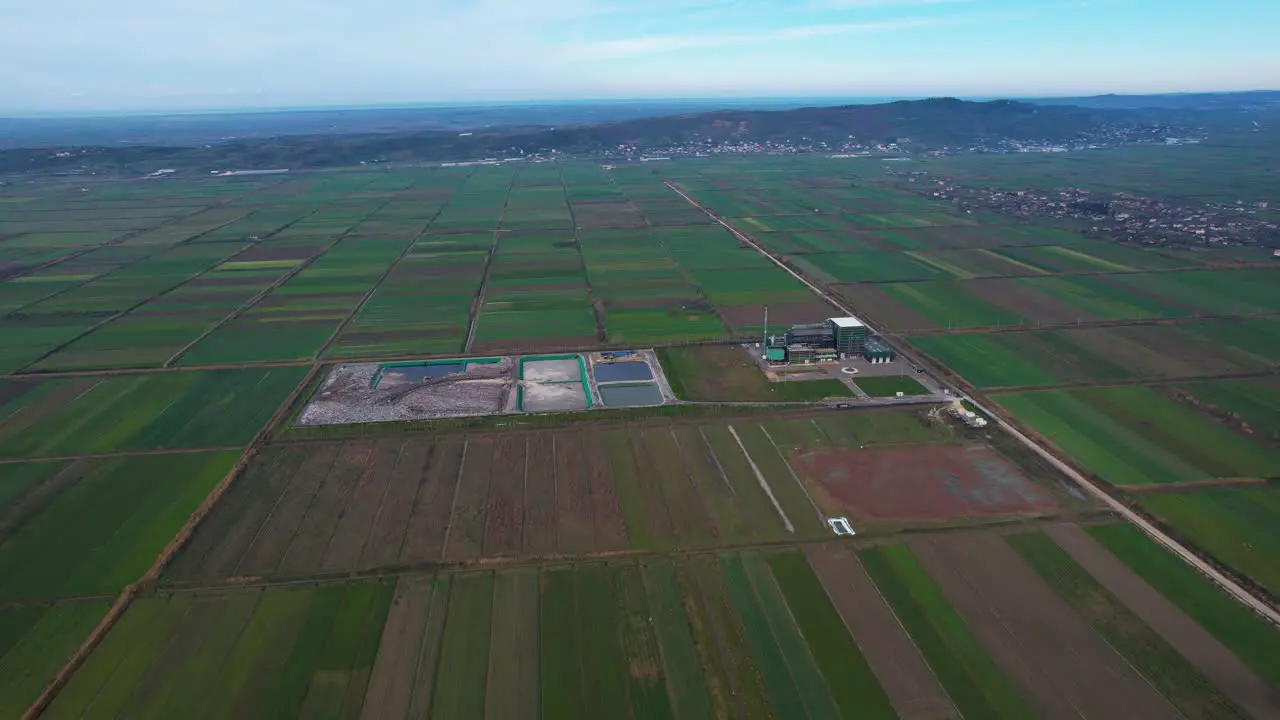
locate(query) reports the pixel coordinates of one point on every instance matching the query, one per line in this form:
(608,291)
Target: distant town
(1119,216)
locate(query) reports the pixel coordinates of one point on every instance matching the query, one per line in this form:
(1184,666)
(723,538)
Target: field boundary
(131,591)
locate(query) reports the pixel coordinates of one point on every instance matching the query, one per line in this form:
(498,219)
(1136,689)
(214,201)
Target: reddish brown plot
(920,483)
(505,514)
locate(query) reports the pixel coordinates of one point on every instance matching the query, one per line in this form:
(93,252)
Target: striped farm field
(1136,436)
(241,653)
(86,528)
(1249,636)
(97,414)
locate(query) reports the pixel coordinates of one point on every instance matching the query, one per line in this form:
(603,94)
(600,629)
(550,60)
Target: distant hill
(920,124)
(1260,100)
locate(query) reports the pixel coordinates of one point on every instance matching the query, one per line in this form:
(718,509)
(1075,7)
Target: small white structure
(840,526)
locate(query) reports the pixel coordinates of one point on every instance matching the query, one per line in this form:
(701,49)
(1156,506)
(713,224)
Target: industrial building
(826,341)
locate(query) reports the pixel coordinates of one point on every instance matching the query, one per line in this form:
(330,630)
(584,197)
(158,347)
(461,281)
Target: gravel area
(345,397)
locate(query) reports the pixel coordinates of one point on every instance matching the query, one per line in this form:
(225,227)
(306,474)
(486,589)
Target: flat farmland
(424,305)
(295,319)
(1134,436)
(1252,404)
(34,643)
(308,507)
(97,414)
(1053,357)
(1260,338)
(1250,637)
(1089,256)
(90,527)
(1236,525)
(919,484)
(238,653)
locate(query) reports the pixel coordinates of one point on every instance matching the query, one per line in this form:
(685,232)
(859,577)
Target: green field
(90,528)
(949,306)
(1237,627)
(261,653)
(1236,525)
(1136,436)
(34,644)
(1020,359)
(95,414)
(890,385)
(1255,402)
(710,373)
(1145,650)
(976,685)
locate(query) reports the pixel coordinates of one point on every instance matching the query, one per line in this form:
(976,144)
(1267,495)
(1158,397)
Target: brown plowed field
(540,527)
(362,504)
(464,537)
(573,495)
(883,308)
(1025,300)
(1221,666)
(505,515)
(923,483)
(902,671)
(610,528)
(1063,668)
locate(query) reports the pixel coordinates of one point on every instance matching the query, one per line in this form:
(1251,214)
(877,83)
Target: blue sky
(75,55)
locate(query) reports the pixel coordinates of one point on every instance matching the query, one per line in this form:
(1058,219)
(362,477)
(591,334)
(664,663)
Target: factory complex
(827,341)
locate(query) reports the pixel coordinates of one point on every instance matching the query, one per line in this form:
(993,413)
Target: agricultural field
(890,385)
(305,508)
(1234,524)
(89,527)
(34,643)
(1251,405)
(666,562)
(1135,436)
(148,411)
(238,653)
(1248,636)
(1084,356)
(708,373)
(1141,645)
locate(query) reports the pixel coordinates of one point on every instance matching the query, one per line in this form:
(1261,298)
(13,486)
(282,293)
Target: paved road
(1258,605)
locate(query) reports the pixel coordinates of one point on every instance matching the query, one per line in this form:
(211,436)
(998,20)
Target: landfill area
(470,387)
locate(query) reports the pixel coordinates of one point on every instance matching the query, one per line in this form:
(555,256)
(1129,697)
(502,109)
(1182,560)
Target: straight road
(1258,605)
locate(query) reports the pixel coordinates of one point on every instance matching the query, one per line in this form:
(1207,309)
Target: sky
(163,55)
